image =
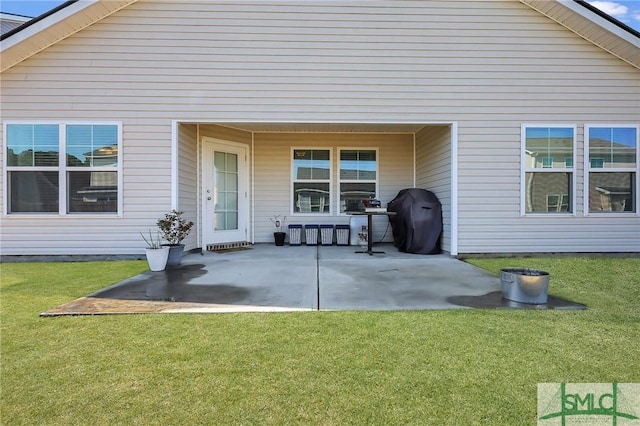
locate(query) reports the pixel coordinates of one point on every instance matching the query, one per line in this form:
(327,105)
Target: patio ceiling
(328,127)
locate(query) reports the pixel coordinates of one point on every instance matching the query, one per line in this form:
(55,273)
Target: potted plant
(278,225)
(157,254)
(174,228)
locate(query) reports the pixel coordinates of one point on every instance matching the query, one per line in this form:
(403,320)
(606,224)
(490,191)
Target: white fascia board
(46,23)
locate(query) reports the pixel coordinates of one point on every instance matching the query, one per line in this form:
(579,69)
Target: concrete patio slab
(391,282)
(293,278)
(264,279)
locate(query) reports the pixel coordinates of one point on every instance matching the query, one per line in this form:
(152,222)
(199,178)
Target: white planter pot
(157,258)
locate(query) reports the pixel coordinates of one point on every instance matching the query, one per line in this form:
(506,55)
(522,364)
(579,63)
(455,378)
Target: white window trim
(339,181)
(588,170)
(524,169)
(292,181)
(62,170)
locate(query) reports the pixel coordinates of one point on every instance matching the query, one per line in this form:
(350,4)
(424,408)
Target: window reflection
(611,192)
(311,176)
(92,192)
(33,191)
(548,192)
(310,164)
(92,145)
(34,164)
(549,147)
(32,145)
(311,197)
(358,174)
(612,147)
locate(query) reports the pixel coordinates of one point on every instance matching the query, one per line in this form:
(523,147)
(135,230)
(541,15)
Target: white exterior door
(224,184)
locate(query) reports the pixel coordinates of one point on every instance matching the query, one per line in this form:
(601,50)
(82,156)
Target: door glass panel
(226,191)
(221,205)
(232,182)
(218,161)
(220,220)
(232,201)
(232,163)
(232,220)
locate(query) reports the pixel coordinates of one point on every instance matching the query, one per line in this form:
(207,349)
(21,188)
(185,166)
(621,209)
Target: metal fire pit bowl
(525,285)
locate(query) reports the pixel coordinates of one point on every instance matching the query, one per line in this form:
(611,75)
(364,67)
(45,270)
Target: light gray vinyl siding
(225,133)
(273,152)
(188,200)
(489,209)
(433,171)
(487,65)
(146,197)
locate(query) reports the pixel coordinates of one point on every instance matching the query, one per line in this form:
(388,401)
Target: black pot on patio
(279,237)
(175,254)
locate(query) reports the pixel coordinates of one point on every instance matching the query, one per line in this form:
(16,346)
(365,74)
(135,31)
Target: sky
(627,11)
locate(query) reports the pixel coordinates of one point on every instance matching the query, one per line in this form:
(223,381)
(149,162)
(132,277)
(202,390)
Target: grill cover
(417,224)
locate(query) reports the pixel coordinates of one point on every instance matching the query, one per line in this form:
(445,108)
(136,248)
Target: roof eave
(30,21)
(604,33)
(610,19)
(53,27)
(49,28)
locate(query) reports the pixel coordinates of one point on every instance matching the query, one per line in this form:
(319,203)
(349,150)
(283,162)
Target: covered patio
(307,172)
(266,278)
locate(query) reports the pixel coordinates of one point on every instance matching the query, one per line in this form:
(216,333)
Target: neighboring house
(10,21)
(521,116)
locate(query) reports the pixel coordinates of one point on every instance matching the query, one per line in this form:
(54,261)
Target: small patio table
(370,215)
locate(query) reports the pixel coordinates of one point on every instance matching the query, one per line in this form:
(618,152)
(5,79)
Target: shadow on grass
(495,300)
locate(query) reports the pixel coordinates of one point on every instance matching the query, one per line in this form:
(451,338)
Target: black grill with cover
(417,224)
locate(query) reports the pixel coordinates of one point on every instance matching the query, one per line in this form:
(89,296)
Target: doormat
(231,250)
(229,247)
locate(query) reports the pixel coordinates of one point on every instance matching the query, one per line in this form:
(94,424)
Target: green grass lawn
(332,368)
